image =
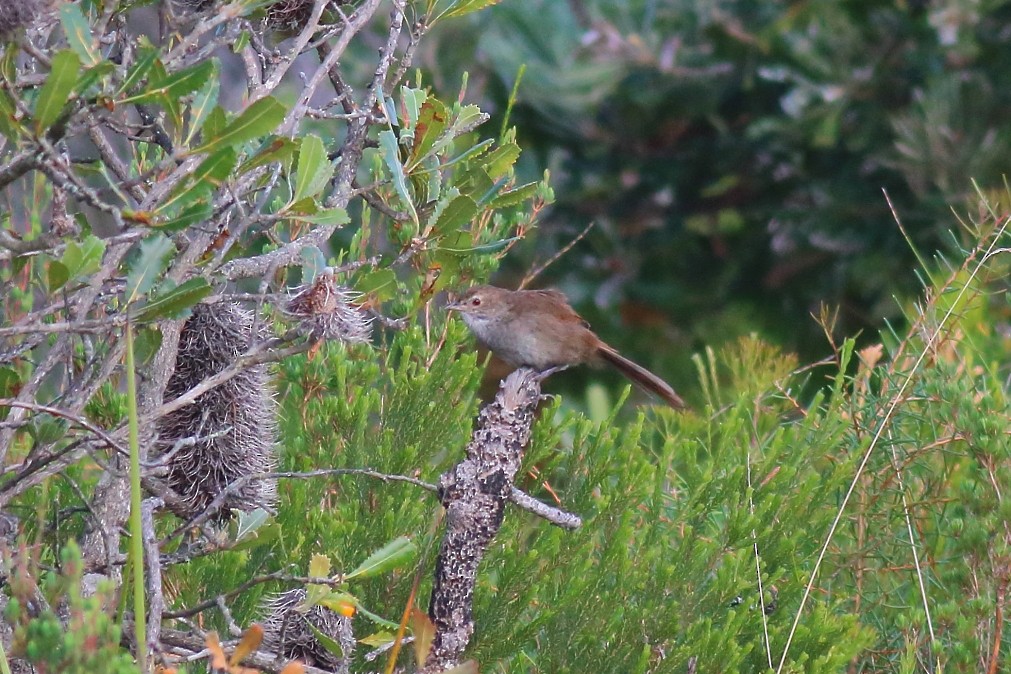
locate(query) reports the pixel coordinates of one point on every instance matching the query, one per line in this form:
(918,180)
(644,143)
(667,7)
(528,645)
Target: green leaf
(465,7)
(175,85)
(276,150)
(92,76)
(391,157)
(146,343)
(330,217)
(58,275)
(78,33)
(391,555)
(83,259)
(174,304)
(212,171)
(484,249)
(215,124)
(500,161)
(258,119)
(313,262)
(376,280)
(377,639)
(154,257)
(319,566)
(249,522)
(326,641)
(203,102)
(314,168)
(190,215)
(432,122)
(140,69)
(457,213)
(55,92)
(514,196)
(8,126)
(10,383)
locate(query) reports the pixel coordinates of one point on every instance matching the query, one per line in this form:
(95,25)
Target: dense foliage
(312,208)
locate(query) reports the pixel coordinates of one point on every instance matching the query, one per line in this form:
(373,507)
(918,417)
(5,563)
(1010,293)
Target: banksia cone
(228,432)
(17,15)
(286,630)
(325,311)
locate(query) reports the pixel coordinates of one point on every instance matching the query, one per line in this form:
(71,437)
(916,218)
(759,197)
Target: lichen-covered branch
(474,493)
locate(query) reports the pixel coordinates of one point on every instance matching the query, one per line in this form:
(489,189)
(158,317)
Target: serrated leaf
(431,124)
(514,196)
(92,75)
(172,304)
(328,217)
(412,99)
(391,555)
(210,173)
(326,641)
(140,69)
(457,213)
(174,86)
(377,619)
(276,150)
(189,215)
(468,118)
(314,168)
(483,249)
(319,566)
(56,90)
(215,124)
(155,253)
(258,119)
(424,633)
(340,602)
(78,32)
(203,102)
(391,157)
(464,7)
(82,259)
(376,280)
(500,161)
(248,522)
(377,639)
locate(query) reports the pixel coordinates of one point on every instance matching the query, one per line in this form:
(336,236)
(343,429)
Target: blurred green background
(734,156)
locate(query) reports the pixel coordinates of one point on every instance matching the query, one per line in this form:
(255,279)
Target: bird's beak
(452,306)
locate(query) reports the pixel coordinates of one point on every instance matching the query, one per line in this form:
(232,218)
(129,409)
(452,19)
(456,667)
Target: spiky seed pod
(20,14)
(287,631)
(325,311)
(229,431)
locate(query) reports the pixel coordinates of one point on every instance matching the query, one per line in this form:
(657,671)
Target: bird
(538,329)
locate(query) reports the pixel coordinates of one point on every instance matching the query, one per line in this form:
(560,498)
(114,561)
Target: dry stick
(474,494)
(897,399)
(537,271)
(196,646)
(154,586)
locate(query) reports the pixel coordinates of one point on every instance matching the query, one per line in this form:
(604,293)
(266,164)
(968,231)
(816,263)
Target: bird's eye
(475,301)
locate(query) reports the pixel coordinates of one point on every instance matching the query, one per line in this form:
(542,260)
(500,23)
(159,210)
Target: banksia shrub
(286,631)
(228,433)
(17,15)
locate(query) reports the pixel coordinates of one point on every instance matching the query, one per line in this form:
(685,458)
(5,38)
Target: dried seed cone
(325,311)
(233,425)
(20,14)
(298,640)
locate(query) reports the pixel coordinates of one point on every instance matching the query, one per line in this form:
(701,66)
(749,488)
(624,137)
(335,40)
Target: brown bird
(538,329)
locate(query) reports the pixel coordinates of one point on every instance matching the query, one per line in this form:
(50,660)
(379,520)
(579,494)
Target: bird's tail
(641,377)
